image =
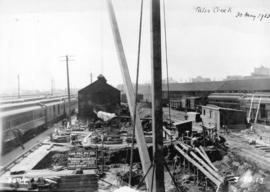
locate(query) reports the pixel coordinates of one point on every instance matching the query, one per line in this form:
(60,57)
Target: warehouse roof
(196,86)
(247,84)
(259,84)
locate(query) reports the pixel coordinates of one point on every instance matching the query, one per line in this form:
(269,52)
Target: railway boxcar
(175,104)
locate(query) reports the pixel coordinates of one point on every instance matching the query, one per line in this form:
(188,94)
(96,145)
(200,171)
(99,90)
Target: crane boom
(129,90)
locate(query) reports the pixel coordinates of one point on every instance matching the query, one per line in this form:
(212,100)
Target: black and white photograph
(135,95)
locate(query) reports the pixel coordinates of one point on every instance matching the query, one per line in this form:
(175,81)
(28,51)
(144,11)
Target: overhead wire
(136,93)
(168,85)
(166,56)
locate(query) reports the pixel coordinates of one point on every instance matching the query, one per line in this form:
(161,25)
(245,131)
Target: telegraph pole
(18,79)
(52,82)
(91,77)
(158,158)
(68,87)
(67,60)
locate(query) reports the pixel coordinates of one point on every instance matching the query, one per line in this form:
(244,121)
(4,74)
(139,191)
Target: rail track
(18,159)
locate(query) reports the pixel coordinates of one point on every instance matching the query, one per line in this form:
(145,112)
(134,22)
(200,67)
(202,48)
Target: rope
(173,179)
(136,93)
(166,54)
(142,180)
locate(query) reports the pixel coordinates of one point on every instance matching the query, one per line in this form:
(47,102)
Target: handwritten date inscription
(258,16)
(255,16)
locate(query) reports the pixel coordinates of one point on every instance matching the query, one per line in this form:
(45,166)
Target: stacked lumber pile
(85,182)
(198,158)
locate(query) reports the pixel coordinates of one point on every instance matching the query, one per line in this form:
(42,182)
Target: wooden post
(157,97)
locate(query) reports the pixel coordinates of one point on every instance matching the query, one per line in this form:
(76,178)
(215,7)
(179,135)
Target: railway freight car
(226,100)
(18,125)
(188,103)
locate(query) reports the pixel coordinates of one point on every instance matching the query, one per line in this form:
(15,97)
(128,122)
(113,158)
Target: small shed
(183,127)
(215,117)
(98,96)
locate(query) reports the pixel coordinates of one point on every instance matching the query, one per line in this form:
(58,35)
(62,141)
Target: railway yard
(149,134)
(233,161)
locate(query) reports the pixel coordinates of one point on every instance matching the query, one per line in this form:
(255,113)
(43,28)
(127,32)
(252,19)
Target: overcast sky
(34,34)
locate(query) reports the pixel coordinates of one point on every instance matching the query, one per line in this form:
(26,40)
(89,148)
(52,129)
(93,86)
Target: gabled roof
(98,85)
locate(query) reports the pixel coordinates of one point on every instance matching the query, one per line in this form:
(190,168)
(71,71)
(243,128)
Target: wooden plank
(205,172)
(129,90)
(209,169)
(202,150)
(206,158)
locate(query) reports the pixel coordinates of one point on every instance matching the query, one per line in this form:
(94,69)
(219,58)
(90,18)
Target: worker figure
(56,131)
(176,162)
(225,128)
(251,128)
(194,142)
(18,137)
(119,179)
(64,122)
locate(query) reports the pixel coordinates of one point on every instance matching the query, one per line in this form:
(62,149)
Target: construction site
(210,136)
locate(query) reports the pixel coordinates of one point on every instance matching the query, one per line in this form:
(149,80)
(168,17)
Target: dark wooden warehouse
(98,96)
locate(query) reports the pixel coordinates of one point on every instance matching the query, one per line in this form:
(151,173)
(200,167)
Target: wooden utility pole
(19,89)
(158,183)
(68,88)
(52,82)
